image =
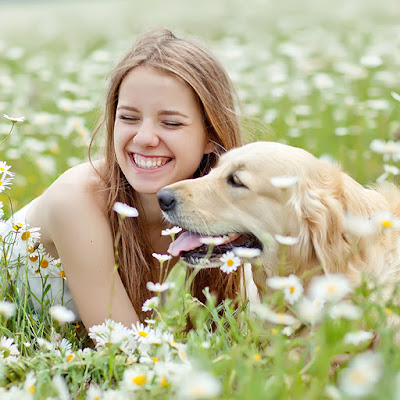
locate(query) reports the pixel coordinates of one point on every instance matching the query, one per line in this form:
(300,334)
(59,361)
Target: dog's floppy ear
(318,202)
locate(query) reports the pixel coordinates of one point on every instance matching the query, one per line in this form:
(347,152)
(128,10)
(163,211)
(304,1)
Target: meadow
(323,78)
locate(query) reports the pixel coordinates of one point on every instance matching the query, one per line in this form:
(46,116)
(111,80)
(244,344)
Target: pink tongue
(189,241)
(186,241)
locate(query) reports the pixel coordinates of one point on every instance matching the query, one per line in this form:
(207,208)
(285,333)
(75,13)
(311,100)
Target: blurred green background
(309,73)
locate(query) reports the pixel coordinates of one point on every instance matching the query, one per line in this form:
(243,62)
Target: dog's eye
(234,181)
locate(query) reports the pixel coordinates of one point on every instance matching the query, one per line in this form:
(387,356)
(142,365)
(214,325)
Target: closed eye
(128,118)
(234,181)
(172,124)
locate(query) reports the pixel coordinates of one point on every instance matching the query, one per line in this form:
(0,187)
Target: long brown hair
(161,50)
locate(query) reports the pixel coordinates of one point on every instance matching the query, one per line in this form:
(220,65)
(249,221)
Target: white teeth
(148,164)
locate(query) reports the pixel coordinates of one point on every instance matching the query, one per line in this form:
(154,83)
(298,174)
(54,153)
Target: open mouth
(193,251)
(146,162)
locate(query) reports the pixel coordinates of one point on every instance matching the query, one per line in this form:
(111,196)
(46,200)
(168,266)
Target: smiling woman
(169,109)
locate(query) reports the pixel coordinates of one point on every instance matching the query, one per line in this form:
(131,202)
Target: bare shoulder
(77,195)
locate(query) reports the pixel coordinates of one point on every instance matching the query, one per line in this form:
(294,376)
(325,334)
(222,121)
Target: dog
(339,225)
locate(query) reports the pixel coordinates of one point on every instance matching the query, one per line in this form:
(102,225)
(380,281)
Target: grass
(312,76)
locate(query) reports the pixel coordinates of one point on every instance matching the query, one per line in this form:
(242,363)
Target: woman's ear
(210,147)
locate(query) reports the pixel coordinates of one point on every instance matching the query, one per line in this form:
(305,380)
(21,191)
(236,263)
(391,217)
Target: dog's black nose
(166,199)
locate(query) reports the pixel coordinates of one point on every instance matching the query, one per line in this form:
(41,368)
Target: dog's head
(237,199)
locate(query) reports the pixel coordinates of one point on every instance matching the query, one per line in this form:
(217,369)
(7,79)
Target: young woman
(169,110)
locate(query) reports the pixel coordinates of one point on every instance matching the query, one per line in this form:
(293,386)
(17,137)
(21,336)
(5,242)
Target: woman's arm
(80,231)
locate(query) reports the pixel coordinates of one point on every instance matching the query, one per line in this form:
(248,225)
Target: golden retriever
(340,226)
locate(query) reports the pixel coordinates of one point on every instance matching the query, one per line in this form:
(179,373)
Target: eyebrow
(162,112)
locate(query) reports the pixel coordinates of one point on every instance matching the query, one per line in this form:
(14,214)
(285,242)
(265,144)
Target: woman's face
(159,134)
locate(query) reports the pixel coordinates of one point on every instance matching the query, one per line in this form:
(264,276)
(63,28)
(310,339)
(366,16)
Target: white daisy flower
(357,337)
(62,346)
(30,383)
(245,252)
(150,304)
(361,376)
(94,393)
(14,119)
(5,183)
(5,170)
(230,262)
(332,287)
(310,311)
(149,321)
(395,95)
(200,385)
(389,149)
(7,309)
(8,349)
(62,314)
(291,285)
(162,257)
(109,332)
(125,210)
(135,378)
(44,344)
(287,240)
(159,287)
(288,331)
(267,314)
(284,182)
(61,387)
(141,332)
(346,310)
(171,231)
(214,240)
(358,225)
(385,220)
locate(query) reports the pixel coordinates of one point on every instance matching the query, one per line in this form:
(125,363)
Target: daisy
(5,183)
(44,344)
(332,287)
(230,262)
(159,287)
(345,310)
(310,311)
(389,170)
(141,332)
(14,119)
(358,225)
(5,170)
(109,332)
(390,149)
(30,383)
(150,304)
(162,257)
(7,309)
(395,95)
(171,231)
(361,376)
(61,387)
(386,220)
(125,210)
(135,378)
(291,285)
(200,385)
(277,318)
(62,346)
(357,337)
(287,240)
(284,182)
(62,314)
(8,349)
(245,252)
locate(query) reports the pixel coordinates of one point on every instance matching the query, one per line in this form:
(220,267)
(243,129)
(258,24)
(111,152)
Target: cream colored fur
(314,209)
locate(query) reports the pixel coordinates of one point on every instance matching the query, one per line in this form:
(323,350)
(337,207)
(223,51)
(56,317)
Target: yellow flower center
(31,389)
(331,289)
(62,274)
(139,380)
(29,249)
(257,357)
(229,263)
(33,258)
(26,235)
(142,334)
(292,289)
(358,377)
(44,263)
(386,224)
(388,311)
(70,357)
(155,359)
(2,169)
(18,225)
(163,381)
(274,331)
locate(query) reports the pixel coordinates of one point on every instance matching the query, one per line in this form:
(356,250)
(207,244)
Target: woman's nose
(146,136)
